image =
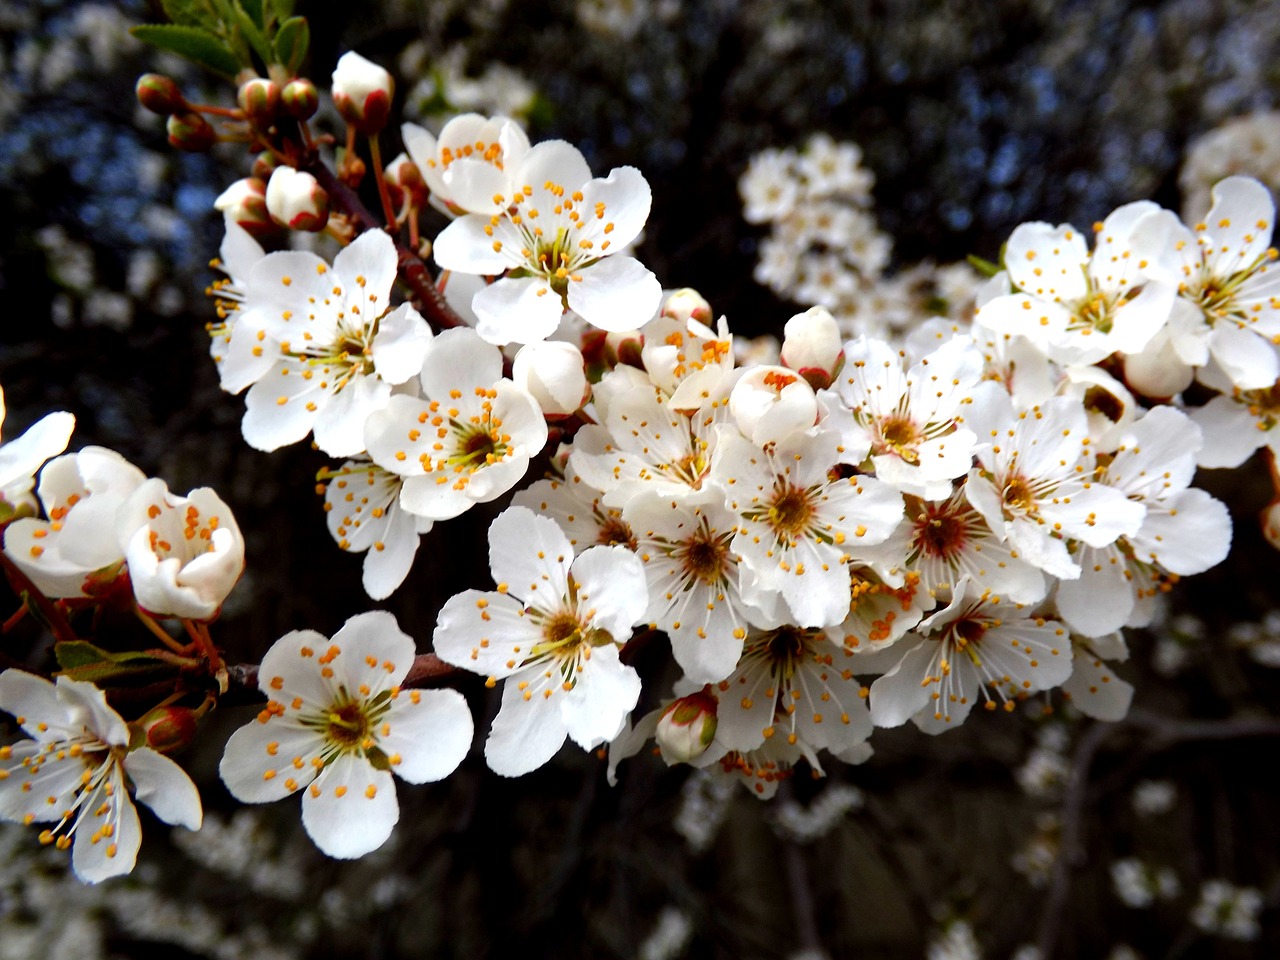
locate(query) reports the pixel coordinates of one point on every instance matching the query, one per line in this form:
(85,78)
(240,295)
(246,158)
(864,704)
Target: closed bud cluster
(812,347)
(405,182)
(159,94)
(245,203)
(259,98)
(687,727)
(362,92)
(191,132)
(296,200)
(687,304)
(300,99)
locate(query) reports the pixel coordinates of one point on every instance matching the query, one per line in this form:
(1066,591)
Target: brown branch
(415,274)
(1164,732)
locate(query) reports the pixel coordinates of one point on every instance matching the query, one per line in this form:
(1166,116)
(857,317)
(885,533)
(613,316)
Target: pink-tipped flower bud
(687,727)
(554,374)
(362,92)
(191,132)
(264,164)
(166,729)
(687,303)
(259,98)
(811,346)
(245,203)
(159,94)
(772,403)
(300,99)
(295,200)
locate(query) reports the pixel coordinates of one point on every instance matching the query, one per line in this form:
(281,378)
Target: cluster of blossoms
(859,535)
(825,248)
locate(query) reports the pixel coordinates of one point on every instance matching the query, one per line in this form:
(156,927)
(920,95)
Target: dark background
(973,117)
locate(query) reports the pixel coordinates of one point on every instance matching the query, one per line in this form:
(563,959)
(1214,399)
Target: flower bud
(772,403)
(811,346)
(190,131)
(296,200)
(165,729)
(264,164)
(362,92)
(404,181)
(245,203)
(687,727)
(1270,519)
(1158,371)
(259,98)
(300,99)
(603,351)
(185,554)
(159,94)
(553,373)
(687,303)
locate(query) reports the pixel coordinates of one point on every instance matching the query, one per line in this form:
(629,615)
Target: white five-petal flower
(74,772)
(337,724)
(559,233)
(553,630)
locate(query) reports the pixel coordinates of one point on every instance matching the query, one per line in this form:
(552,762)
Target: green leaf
(292,42)
(192,43)
(73,654)
(192,13)
(984,267)
(283,8)
(254,9)
(107,674)
(253,34)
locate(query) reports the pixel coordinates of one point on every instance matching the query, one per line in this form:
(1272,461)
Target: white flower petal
(401,344)
(517,310)
(597,706)
(616,294)
(351,808)
(527,732)
(164,787)
(431,732)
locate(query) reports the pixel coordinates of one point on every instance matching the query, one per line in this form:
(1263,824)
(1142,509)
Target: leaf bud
(259,98)
(687,727)
(300,99)
(190,131)
(295,200)
(159,94)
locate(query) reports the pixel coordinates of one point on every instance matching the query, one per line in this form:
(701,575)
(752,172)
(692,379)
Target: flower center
(939,533)
(615,531)
(348,726)
(898,435)
(1018,494)
(790,512)
(706,557)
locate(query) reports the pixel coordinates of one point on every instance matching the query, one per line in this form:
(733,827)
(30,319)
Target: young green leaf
(194,44)
(292,42)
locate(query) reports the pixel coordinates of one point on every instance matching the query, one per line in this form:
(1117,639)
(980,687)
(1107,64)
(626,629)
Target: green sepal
(292,42)
(73,654)
(984,267)
(283,8)
(192,43)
